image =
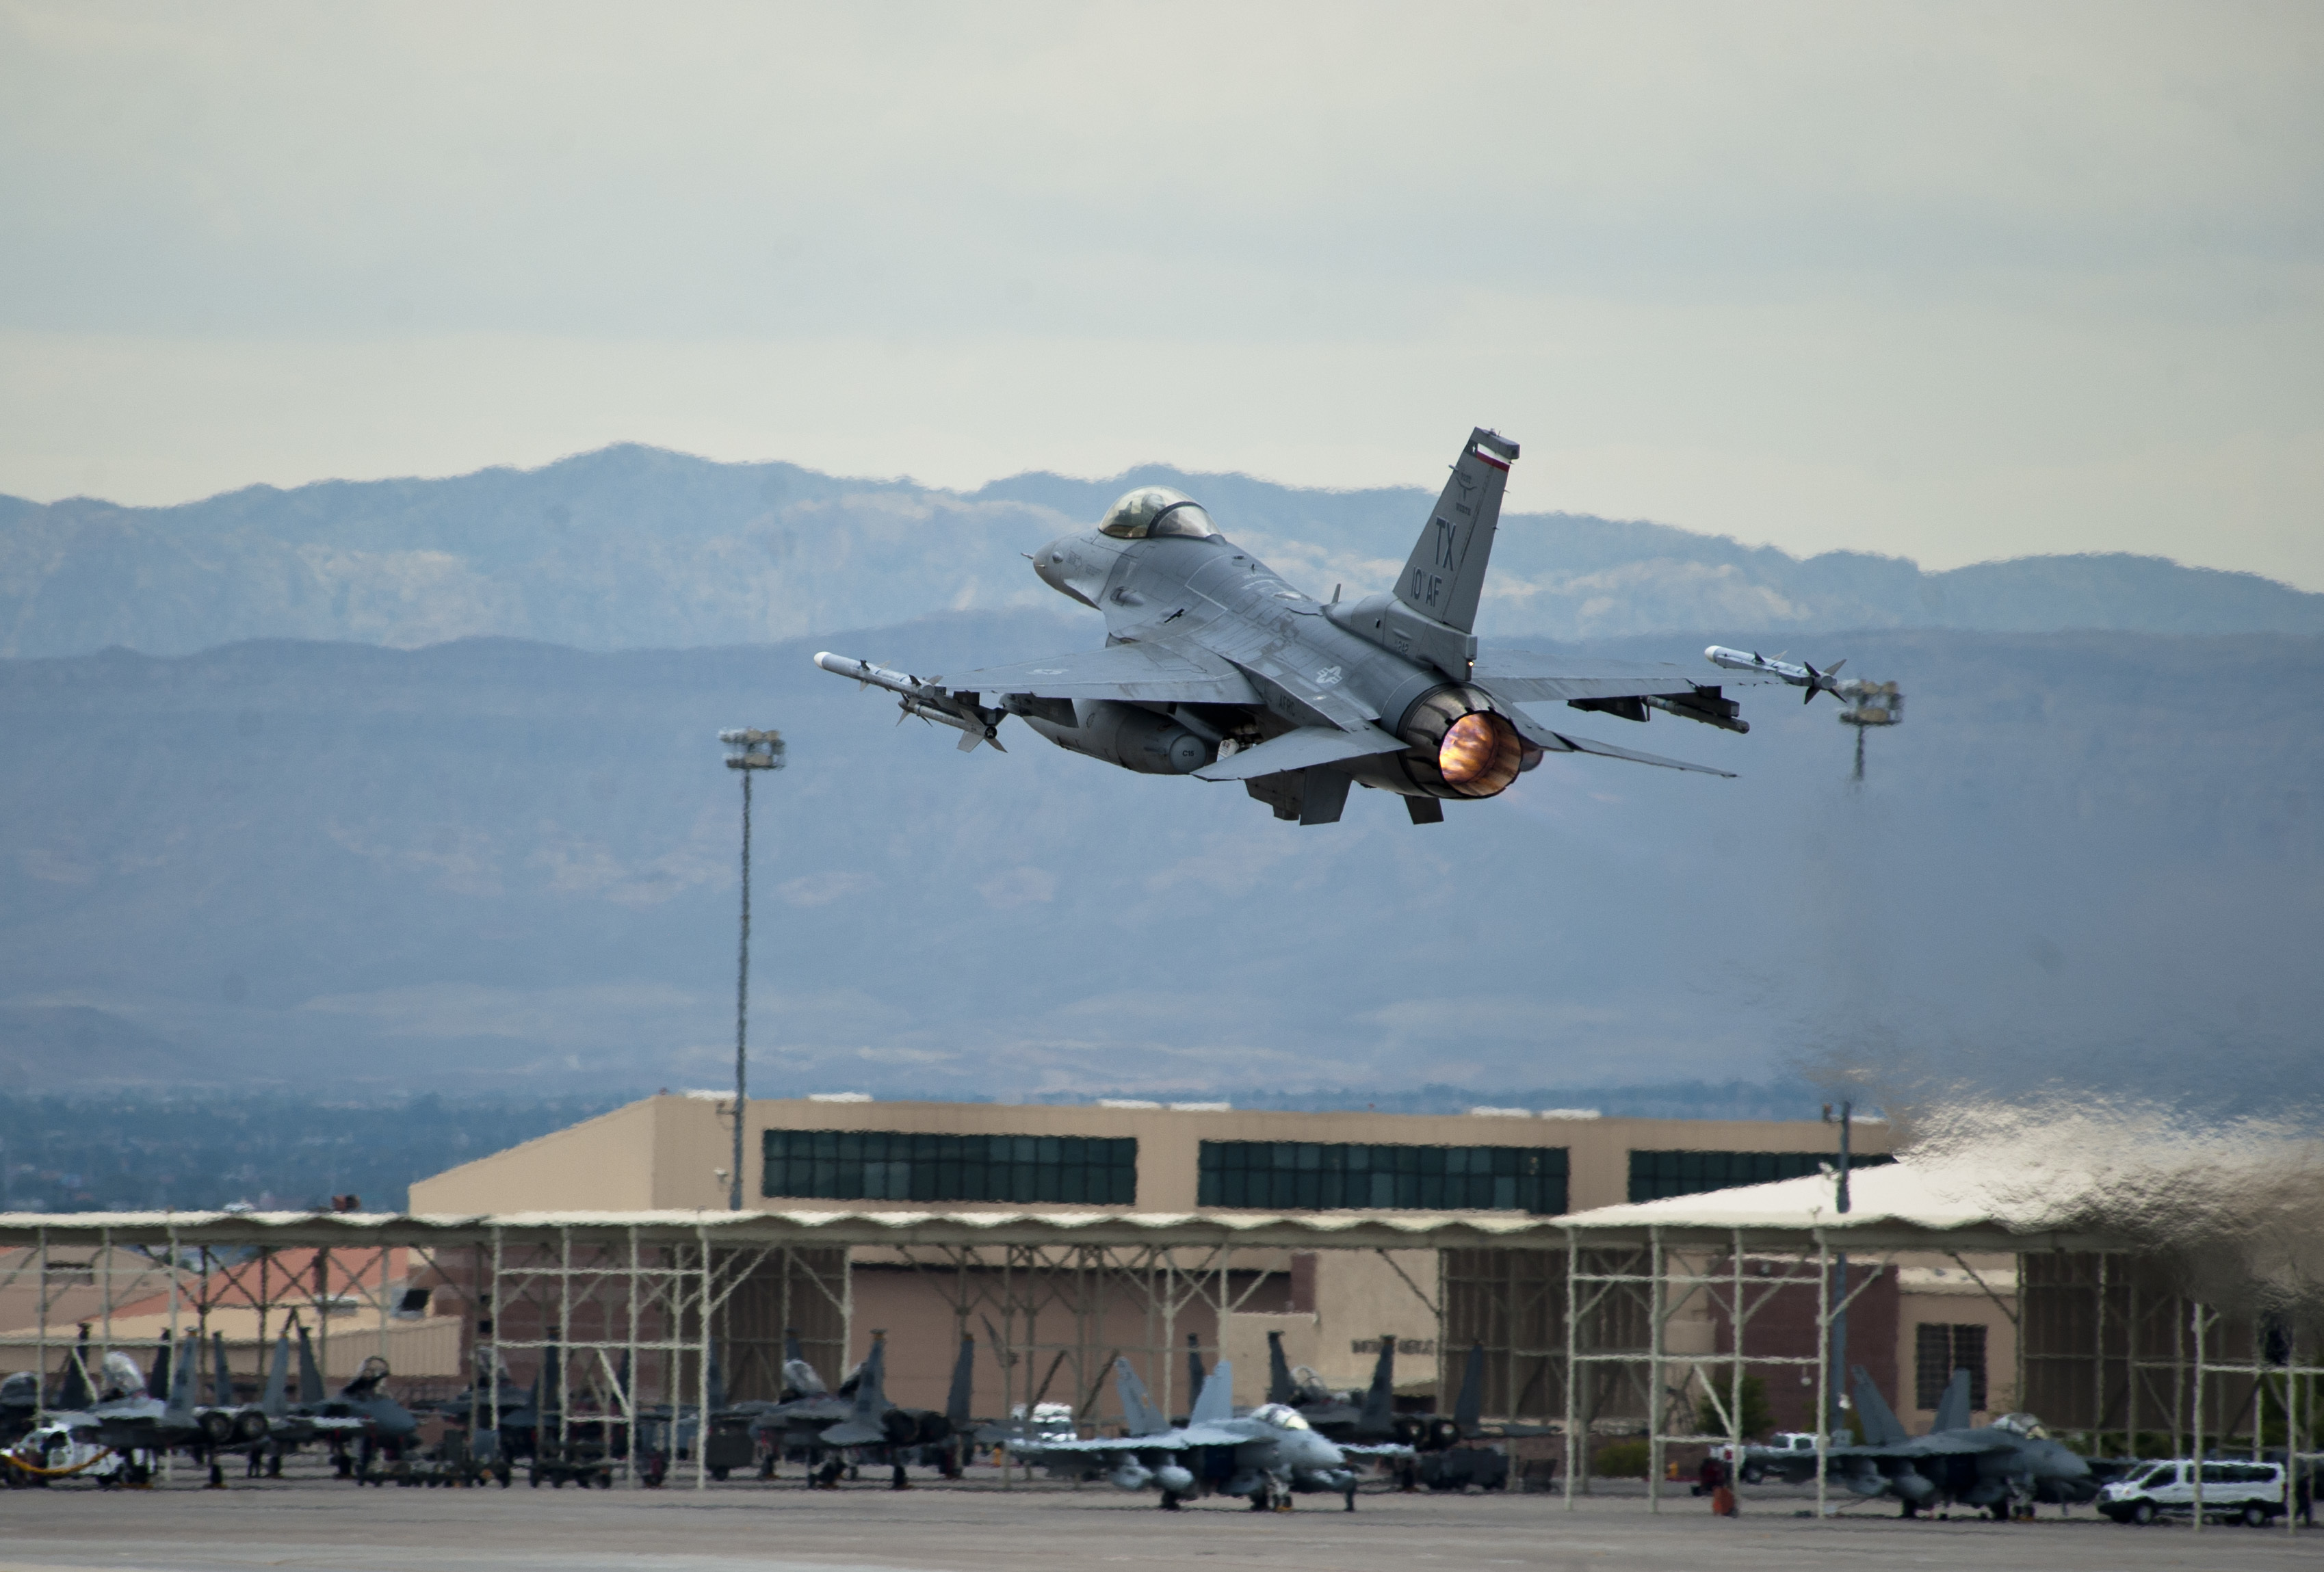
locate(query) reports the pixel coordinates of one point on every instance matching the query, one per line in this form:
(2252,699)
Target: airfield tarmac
(977,1527)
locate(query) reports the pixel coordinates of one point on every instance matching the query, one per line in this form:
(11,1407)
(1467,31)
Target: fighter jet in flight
(1265,1454)
(1213,667)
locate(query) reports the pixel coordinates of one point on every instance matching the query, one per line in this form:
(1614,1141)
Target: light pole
(747,752)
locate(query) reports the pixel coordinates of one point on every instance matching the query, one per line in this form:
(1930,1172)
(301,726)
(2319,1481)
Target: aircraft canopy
(1156,511)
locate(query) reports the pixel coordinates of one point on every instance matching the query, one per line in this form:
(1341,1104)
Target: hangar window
(1939,1351)
(1318,1176)
(1656,1175)
(899,1166)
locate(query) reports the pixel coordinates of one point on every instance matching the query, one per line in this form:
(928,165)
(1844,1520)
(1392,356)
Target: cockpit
(2024,1424)
(1151,512)
(1282,1416)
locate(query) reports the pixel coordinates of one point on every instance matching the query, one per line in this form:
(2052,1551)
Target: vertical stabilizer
(1194,1373)
(1139,1417)
(77,1394)
(221,1377)
(1874,1414)
(1445,577)
(157,1383)
(1379,1417)
(1953,1409)
(311,1375)
(1468,1408)
(1280,1388)
(871,1400)
(1217,1401)
(276,1401)
(962,1398)
(184,1375)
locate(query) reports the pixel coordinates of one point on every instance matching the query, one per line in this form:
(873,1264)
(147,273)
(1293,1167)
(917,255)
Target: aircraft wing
(1950,1443)
(1148,673)
(1550,742)
(1530,678)
(1375,1449)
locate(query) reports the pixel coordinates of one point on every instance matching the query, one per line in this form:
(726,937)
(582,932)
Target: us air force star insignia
(1329,676)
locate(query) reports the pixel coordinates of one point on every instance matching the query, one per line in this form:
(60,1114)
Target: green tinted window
(1310,1176)
(1655,1175)
(893,1165)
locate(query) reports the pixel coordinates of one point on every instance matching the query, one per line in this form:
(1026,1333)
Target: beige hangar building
(671,1155)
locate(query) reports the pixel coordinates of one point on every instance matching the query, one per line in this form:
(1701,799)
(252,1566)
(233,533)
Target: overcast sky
(1952,281)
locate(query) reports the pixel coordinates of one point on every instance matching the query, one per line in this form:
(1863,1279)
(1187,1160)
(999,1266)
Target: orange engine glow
(1481,753)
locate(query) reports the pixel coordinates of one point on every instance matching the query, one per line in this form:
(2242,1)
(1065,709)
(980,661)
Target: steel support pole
(40,1337)
(1735,1382)
(2195,1420)
(1572,1371)
(630,1372)
(702,1373)
(1823,1371)
(742,1009)
(1655,1299)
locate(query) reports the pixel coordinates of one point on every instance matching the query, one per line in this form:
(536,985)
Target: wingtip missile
(928,699)
(1802,675)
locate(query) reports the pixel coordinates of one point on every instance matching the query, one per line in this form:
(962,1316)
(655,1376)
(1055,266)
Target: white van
(2250,1493)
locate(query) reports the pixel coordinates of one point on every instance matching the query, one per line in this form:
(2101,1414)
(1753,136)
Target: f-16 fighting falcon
(1213,667)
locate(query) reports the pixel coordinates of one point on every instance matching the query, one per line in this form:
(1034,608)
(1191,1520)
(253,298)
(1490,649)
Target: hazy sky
(1954,281)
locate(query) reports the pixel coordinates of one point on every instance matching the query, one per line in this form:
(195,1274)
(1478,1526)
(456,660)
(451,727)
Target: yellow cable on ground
(56,1473)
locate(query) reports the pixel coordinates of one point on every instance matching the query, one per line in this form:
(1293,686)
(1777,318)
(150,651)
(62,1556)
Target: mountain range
(498,866)
(635,548)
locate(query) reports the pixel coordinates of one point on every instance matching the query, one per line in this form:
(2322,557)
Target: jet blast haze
(1213,667)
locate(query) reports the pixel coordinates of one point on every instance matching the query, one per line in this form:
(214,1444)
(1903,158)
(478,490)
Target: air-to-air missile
(1801,676)
(923,699)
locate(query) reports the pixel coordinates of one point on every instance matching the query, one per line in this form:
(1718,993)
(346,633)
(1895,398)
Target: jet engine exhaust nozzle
(1460,747)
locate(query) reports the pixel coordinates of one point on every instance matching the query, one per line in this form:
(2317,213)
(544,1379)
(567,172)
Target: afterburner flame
(1480,754)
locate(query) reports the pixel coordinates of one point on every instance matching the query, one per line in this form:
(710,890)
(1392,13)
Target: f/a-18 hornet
(1213,667)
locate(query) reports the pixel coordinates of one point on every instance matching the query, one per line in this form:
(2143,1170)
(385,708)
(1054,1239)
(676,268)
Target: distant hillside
(631,547)
(497,866)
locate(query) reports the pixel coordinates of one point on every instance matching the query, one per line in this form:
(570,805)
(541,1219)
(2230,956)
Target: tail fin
(961,1399)
(311,1375)
(1195,1377)
(1468,1408)
(157,1383)
(77,1394)
(1279,1371)
(1953,1409)
(871,1401)
(1446,572)
(221,1378)
(1138,1415)
(183,1376)
(277,1401)
(1217,1400)
(1379,1403)
(1873,1412)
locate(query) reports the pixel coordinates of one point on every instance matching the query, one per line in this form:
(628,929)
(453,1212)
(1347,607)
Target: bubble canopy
(1157,510)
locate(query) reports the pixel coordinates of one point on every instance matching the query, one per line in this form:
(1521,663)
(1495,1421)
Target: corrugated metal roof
(1363,1230)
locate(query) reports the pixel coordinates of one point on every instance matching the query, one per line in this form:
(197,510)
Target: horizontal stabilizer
(1550,742)
(1300,748)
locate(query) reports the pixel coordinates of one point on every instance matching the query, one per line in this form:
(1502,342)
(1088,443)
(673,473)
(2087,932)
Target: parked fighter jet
(1994,1466)
(1265,1454)
(876,1430)
(1336,1415)
(1213,667)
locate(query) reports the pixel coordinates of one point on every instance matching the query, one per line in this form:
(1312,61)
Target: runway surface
(341,1528)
